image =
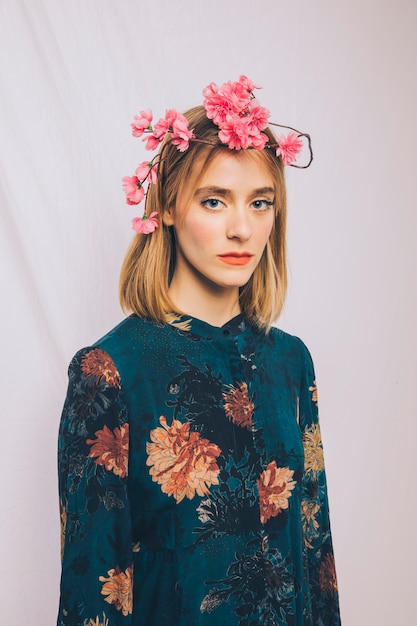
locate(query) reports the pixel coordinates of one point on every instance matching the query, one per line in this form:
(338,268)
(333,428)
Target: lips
(235,258)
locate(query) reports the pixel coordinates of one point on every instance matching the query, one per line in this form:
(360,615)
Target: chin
(234,284)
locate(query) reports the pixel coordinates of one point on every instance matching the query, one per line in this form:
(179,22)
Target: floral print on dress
(313,450)
(62,524)
(275,485)
(328,581)
(195,462)
(238,406)
(314,393)
(309,510)
(118,589)
(261,585)
(103,621)
(111,449)
(99,365)
(183,463)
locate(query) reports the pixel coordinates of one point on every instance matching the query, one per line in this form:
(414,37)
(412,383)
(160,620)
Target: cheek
(200,232)
(265,231)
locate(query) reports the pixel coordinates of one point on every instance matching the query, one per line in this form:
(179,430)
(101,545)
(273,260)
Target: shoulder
(288,342)
(103,348)
(133,336)
(122,350)
(129,332)
(292,351)
(296,359)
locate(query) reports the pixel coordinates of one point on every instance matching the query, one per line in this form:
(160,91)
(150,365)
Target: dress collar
(195,326)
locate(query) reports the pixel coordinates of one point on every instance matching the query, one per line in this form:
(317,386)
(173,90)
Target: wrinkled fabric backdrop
(73,74)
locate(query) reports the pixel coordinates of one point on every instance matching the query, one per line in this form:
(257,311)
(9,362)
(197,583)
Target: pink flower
(133,189)
(152,142)
(237,96)
(164,125)
(147,171)
(177,124)
(258,140)
(141,123)
(231,98)
(181,133)
(217,108)
(145,225)
(258,116)
(235,133)
(210,91)
(182,143)
(248,84)
(153,172)
(289,147)
(142,171)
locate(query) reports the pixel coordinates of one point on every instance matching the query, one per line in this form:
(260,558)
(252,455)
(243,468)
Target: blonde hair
(149,264)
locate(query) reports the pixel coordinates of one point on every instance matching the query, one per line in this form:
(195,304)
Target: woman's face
(222,229)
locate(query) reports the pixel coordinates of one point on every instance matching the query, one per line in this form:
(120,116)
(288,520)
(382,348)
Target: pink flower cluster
(241,119)
(173,122)
(135,192)
(177,125)
(133,185)
(237,113)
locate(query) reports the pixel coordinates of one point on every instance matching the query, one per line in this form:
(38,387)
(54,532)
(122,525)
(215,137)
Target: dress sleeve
(93,452)
(318,549)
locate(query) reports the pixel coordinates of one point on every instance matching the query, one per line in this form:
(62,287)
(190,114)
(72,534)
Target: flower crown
(240,118)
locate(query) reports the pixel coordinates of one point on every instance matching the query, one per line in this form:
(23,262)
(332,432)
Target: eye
(262,205)
(212,203)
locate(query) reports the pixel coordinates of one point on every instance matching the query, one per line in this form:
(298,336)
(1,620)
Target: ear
(168,217)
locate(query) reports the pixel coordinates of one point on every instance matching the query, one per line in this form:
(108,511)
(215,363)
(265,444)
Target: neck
(215,306)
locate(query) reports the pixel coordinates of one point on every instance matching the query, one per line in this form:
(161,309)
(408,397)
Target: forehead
(228,168)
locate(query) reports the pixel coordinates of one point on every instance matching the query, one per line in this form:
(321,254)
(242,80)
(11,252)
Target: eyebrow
(220,191)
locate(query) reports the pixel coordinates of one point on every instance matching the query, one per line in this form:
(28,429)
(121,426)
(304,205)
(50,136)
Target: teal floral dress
(192,482)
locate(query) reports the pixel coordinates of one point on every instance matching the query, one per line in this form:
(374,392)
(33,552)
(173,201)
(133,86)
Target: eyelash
(265,204)
(206,204)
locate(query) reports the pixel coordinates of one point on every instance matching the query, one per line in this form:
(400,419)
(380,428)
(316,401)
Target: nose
(239,226)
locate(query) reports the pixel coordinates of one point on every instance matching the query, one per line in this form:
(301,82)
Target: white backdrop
(73,74)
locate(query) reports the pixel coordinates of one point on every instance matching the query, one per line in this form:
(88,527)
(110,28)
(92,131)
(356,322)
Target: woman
(191,468)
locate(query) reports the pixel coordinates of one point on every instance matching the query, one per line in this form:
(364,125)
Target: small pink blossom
(163,126)
(258,140)
(147,171)
(151,142)
(237,96)
(289,147)
(217,108)
(181,133)
(179,124)
(145,225)
(171,115)
(258,116)
(141,123)
(235,133)
(210,91)
(142,171)
(133,189)
(248,84)
(153,172)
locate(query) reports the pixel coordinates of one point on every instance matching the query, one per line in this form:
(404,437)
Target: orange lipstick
(236,258)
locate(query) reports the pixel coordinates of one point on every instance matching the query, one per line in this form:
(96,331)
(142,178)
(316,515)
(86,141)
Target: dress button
(226,332)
